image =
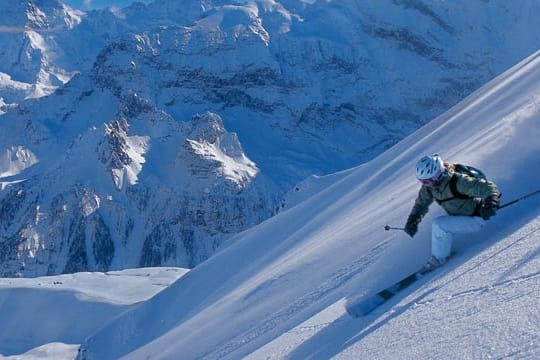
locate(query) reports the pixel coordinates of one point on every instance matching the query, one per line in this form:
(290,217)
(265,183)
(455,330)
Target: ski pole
(520,198)
(388,228)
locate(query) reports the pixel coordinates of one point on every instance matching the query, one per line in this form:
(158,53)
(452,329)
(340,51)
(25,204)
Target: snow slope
(279,290)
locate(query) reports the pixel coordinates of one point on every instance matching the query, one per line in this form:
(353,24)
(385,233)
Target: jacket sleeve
(422,202)
(479,188)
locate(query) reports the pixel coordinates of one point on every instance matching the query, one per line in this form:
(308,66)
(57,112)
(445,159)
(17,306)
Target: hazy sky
(98,4)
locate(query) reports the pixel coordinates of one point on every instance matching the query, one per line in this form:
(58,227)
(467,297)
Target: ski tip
(364,306)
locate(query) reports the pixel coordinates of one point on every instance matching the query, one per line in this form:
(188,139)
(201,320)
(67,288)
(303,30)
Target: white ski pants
(443,229)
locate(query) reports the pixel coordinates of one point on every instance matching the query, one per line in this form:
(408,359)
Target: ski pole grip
(388,228)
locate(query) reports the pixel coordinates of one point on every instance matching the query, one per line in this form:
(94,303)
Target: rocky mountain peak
(206,127)
(213,153)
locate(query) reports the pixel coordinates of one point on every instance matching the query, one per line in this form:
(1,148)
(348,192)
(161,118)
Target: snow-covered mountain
(279,290)
(174,125)
(33,63)
(331,84)
(93,207)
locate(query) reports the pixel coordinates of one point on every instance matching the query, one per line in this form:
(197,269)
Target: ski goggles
(431,182)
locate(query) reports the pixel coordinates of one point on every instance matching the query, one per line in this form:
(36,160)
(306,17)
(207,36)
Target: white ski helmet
(429,167)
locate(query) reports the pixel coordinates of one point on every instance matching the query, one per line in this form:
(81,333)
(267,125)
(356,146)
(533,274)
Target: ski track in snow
(450,298)
(494,286)
(475,291)
(339,278)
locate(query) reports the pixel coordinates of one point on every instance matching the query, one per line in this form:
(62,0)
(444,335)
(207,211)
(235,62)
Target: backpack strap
(453,188)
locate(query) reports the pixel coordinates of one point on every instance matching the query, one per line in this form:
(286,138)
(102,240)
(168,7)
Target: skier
(469,201)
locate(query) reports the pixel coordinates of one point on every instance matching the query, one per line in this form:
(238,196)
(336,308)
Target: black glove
(411,227)
(489,207)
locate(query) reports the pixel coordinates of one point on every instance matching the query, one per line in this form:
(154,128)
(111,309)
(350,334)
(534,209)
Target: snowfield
(54,314)
(280,290)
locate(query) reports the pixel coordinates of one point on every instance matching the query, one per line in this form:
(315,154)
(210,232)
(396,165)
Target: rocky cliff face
(167,195)
(168,128)
(363,75)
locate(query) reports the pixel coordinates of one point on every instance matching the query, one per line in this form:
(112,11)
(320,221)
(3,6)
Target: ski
(369,303)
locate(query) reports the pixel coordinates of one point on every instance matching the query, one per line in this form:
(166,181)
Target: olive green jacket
(477,189)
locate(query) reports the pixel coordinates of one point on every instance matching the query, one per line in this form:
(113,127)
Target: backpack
(464,170)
